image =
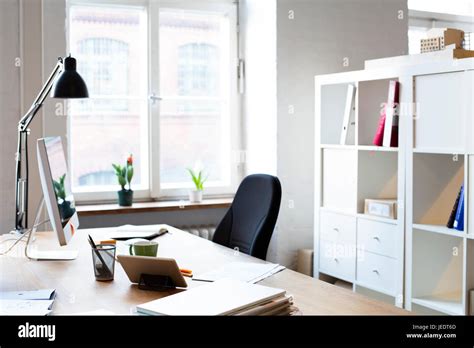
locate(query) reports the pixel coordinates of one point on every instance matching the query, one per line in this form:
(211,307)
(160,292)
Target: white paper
(245,271)
(25,307)
(136,228)
(41,294)
(132,231)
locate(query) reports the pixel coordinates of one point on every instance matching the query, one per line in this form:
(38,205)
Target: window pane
(100,138)
(110,44)
(195,86)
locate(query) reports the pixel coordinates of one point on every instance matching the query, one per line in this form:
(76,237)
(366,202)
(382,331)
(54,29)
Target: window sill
(145,207)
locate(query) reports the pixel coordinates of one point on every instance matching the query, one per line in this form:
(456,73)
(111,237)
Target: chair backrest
(250,220)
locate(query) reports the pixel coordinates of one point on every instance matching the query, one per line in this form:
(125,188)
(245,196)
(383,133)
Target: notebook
(222,297)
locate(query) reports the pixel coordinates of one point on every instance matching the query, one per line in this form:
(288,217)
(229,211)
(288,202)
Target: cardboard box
(386,208)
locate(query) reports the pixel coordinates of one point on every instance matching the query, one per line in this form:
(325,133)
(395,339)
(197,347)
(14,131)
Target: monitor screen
(60,178)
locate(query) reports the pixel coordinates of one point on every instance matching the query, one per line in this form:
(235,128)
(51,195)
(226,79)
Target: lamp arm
(38,102)
(21,158)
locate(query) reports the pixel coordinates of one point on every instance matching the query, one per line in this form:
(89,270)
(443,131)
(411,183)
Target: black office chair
(250,220)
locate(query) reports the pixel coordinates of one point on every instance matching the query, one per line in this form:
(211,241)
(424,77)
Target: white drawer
(337,228)
(376,272)
(377,237)
(337,260)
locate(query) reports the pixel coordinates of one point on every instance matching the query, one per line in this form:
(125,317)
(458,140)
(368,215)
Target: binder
(459,220)
(378,137)
(452,216)
(390,135)
(347,113)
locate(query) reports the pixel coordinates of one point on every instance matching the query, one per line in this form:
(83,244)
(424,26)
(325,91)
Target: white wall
(258,49)
(9,108)
(317,39)
(322,34)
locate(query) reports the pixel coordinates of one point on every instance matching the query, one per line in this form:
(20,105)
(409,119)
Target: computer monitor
(56,185)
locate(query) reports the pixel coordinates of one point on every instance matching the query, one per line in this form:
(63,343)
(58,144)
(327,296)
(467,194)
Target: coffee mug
(144,248)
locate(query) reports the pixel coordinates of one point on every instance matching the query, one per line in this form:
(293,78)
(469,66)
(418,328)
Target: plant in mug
(124,176)
(198,180)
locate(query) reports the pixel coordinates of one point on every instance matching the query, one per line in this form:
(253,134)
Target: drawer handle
(377,239)
(336,259)
(375,271)
(336,229)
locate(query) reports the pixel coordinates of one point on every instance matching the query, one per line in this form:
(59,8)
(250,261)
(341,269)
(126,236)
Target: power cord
(18,240)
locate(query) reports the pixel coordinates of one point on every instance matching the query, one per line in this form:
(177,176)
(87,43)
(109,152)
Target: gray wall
(9,108)
(316,41)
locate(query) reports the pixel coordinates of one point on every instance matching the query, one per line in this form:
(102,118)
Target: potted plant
(195,195)
(66,209)
(124,176)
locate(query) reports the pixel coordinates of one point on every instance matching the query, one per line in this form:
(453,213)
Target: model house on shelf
(440,38)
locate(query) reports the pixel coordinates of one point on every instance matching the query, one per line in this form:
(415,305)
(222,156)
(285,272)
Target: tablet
(135,266)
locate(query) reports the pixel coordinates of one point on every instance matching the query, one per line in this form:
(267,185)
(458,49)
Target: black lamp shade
(69,84)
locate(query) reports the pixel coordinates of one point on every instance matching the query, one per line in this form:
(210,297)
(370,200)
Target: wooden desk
(78,291)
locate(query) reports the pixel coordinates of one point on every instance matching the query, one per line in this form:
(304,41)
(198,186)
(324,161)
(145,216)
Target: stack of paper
(222,297)
(249,272)
(37,302)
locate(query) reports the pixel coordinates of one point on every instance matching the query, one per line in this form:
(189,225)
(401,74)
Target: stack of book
(223,297)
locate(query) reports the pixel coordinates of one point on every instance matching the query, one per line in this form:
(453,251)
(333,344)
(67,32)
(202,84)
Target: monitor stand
(52,255)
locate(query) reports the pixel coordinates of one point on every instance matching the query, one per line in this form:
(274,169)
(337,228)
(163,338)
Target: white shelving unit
(413,261)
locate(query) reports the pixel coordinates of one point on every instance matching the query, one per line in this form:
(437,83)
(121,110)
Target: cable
(18,240)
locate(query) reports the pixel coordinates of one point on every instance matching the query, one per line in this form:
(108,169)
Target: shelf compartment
(333,103)
(339,183)
(447,303)
(371,96)
(437,179)
(441,115)
(378,176)
(438,271)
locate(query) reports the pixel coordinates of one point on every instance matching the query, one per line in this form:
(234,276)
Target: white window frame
(156,191)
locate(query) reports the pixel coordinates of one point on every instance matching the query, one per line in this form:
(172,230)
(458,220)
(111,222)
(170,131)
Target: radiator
(203,231)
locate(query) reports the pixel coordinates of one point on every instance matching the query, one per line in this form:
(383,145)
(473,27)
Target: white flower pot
(195,196)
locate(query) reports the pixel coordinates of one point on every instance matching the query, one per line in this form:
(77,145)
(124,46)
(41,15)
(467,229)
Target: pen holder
(103,261)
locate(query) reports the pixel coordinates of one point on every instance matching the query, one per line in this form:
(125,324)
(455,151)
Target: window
(163,87)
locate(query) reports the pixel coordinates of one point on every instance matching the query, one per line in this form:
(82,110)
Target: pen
(94,247)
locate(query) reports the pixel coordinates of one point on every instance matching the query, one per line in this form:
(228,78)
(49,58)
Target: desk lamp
(65,83)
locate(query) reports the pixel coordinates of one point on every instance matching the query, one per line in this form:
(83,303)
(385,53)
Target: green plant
(59,187)
(125,173)
(198,179)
